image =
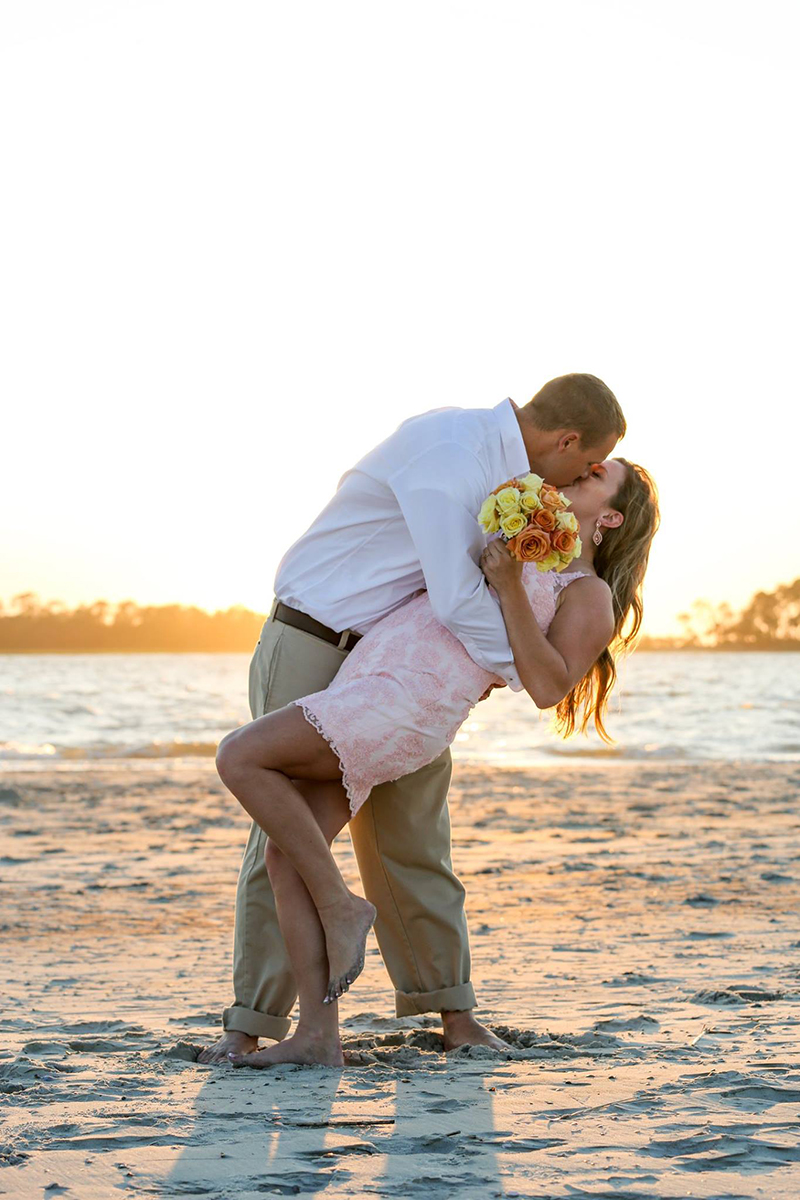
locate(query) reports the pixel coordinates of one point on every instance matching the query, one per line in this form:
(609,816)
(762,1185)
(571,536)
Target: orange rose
(564,541)
(532,545)
(508,483)
(545,519)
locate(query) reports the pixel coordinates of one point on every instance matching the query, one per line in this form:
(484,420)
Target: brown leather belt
(301,620)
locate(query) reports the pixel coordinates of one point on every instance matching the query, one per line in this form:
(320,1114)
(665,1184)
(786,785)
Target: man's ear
(568,441)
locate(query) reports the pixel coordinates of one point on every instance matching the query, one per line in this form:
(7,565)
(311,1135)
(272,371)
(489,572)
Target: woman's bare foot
(346,927)
(300,1048)
(461,1029)
(231,1041)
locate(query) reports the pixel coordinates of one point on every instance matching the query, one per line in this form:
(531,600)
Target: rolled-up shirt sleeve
(439,493)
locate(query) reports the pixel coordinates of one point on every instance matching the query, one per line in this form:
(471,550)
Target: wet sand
(635,937)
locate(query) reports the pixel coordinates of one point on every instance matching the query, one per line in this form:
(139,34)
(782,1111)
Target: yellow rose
(578,550)
(531,483)
(550,563)
(568,521)
(529,502)
(513,523)
(488,515)
(508,500)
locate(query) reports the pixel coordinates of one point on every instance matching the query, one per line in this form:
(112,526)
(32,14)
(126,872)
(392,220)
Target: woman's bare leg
(316,1038)
(258,763)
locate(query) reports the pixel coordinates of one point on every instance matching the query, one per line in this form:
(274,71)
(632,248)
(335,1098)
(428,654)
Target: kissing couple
(394,615)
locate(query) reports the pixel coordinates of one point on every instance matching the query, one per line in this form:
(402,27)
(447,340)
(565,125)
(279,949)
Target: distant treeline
(34,628)
(771,621)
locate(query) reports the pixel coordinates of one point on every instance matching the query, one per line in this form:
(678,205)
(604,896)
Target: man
(403,518)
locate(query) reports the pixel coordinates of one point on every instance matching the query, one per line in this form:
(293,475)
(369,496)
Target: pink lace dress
(404,690)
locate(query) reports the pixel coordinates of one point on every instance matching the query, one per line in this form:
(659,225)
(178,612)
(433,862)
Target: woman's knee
(231,758)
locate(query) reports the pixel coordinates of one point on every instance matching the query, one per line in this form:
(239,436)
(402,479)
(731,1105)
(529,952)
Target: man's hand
(489,691)
(499,565)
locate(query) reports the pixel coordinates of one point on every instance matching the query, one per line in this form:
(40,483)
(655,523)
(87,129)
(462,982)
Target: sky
(241,242)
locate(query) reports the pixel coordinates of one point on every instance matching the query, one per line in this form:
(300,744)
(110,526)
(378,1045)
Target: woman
(398,700)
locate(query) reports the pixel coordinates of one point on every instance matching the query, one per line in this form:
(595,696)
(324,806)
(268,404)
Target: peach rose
(564,541)
(531,545)
(508,483)
(553,499)
(545,519)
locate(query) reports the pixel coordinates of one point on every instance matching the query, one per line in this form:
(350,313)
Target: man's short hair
(579,402)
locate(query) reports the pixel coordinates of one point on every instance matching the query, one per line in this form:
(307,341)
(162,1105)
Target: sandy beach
(635,938)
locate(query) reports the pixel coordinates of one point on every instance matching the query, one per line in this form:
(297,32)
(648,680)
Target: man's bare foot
(231,1040)
(301,1048)
(346,927)
(461,1029)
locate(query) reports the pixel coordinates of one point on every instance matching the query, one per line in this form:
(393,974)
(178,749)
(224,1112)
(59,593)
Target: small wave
(27,750)
(171,749)
(633,752)
(175,750)
(584,751)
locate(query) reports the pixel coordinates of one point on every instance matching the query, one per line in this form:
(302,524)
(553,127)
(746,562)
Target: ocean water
(122,707)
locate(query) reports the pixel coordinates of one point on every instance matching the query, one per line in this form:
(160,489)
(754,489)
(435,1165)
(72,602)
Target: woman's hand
(499,565)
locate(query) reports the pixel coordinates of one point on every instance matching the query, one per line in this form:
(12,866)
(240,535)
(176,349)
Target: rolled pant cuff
(408,1004)
(256,1024)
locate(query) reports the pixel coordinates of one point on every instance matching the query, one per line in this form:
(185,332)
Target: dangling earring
(597,536)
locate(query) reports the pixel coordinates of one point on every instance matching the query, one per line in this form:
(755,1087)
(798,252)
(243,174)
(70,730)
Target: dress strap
(561,577)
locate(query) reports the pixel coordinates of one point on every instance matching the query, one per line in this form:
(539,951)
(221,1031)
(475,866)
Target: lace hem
(354,802)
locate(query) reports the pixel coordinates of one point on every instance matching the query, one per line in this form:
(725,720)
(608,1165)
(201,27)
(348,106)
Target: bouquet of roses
(531,518)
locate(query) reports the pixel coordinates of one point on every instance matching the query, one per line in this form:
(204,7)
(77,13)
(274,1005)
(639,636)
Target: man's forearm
(475,629)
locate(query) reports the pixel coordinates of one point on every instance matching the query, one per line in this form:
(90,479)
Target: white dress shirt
(404,518)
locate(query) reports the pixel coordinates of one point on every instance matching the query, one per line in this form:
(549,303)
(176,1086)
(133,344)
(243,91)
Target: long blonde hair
(621,560)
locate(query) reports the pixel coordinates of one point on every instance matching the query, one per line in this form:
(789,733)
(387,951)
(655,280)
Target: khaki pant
(401,839)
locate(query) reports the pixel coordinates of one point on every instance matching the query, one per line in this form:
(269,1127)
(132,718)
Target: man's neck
(531,439)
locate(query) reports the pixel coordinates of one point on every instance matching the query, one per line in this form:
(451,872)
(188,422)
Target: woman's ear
(612,520)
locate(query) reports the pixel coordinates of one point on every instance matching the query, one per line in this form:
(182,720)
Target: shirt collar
(516,456)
